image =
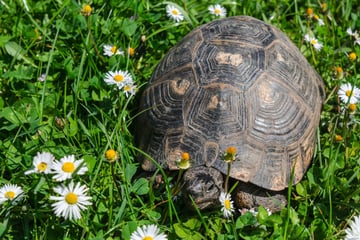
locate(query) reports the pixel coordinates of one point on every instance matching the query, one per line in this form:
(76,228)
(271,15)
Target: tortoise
(239,82)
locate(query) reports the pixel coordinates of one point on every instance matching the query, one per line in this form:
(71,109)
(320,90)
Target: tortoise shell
(233,82)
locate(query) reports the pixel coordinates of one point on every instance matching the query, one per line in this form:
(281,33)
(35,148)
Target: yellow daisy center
(338,138)
(113,49)
(352,56)
(313,41)
(131,51)
(71,198)
(352,107)
(185,156)
(127,88)
(118,78)
(231,150)
(68,167)
(227,204)
(348,93)
(339,70)
(42,166)
(184,161)
(316,17)
(230,154)
(10,195)
(111,155)
(147,238)
(175,12)
(309,11)
(86,10)
(217,11)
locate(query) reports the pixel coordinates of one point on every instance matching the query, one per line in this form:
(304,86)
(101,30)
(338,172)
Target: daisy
(184,161)
(357,41)
(110,50)
(313,41)
(119,78)
(230,154)
(338,138)
(351,33)
(354,34)
(254,212)
(349,94)
(319,20)
(352,108)
(174,13)
(217,10)
(86,10)
(71,201)
(148,232)
(227,204)
(353,232)
(10,192)
(310,12)
(111,155)
(130,89)
(65,168)
(42,77)
(42,163)
(339,72)
(131,51)
(352,56)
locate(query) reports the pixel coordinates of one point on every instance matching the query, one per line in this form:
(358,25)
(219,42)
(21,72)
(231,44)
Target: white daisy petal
(349,94)
(307,38)
(353,231)
(66,167)
(174,13)
(354,34)
(318,46)
(227,204)
(11,192)
(254,212)
(130,89)
(349,32)
(148,232)
(313,41)
(217,10)
(119,78)
(321,22)
(42,163)
(72,201)
(110,50)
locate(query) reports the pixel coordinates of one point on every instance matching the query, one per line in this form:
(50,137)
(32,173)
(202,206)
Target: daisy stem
(88,22)
(177,188)
(227,177)
(114,179)
(313,55)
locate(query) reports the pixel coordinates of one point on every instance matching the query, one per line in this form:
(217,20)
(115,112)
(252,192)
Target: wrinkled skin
(247,195)
(204,185)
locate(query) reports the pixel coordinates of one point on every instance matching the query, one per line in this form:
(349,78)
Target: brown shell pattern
(234,82)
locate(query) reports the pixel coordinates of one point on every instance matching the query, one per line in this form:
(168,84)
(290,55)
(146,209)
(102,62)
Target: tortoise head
(203,185)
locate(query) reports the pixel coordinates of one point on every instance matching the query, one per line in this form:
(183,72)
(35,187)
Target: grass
(73,111)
